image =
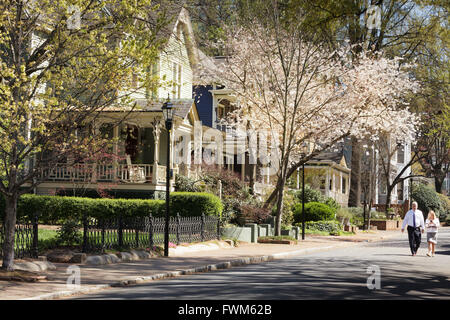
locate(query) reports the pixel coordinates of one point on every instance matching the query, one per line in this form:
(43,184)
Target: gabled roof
(175,12)
(337,154)
(181,107)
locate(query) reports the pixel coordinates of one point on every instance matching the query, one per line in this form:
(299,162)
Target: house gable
(177,60)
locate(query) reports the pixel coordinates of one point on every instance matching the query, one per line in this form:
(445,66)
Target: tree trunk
(354,198)
(279,212)
(439,181)
(10,226)
(388,200)
(252,178)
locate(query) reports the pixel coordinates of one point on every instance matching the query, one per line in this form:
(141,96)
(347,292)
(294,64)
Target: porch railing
(120,173)
(136,173)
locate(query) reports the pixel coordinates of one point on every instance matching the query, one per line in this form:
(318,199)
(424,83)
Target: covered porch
(136,158)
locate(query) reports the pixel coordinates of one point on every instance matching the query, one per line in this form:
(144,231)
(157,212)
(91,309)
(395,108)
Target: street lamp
(303,155)
(303,201)
(167,110)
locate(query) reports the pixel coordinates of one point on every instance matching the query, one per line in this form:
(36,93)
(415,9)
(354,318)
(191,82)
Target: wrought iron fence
(146,232)
(25,239)
(123,232)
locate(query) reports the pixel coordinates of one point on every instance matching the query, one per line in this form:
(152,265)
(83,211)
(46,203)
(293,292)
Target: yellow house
(329,173)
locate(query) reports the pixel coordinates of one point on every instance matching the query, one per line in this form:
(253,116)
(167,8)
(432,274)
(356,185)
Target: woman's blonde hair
(431,213)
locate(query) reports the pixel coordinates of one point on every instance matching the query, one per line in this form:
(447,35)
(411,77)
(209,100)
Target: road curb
(190,271)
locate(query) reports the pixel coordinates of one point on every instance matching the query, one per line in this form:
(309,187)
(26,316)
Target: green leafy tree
(61,64)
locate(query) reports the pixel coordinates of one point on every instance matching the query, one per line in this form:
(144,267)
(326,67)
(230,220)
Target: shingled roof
(336,153)
(181,107)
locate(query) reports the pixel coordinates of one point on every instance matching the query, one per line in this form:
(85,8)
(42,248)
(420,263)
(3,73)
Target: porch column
(243,167)
(156,134)
(115,152)
(327,183)
(173,166)
(333,181)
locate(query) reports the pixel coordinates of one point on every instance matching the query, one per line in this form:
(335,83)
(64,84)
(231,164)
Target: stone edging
(133,255)
(171,274)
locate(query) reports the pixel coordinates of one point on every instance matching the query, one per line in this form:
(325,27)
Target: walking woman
(432,225)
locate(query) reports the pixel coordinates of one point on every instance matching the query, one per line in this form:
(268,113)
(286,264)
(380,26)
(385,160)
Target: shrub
(314,211)
(332,203)
(185,184)
(255,214)
(331,226)
(69,233)
(427,199)
(357,215)
(195,204)
(311,195)
(287,217)
(56,209)
(343,214)
(445,206)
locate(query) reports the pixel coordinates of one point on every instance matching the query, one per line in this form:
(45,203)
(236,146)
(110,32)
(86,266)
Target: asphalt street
(381,270)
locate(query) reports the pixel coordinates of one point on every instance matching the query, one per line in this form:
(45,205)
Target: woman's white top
(432,225)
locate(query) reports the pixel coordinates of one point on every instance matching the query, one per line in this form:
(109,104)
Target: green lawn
(45,234)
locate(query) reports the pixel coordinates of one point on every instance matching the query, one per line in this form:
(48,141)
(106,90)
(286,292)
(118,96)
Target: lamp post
(303,201)
(303,155)
(167,110)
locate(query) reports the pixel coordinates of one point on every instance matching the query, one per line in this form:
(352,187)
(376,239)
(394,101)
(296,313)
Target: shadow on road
(308,278)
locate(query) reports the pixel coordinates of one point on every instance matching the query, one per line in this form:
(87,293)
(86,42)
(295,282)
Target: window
(152,79)
(344,185)
(176,78)
(383,186)
(401,154)
(322,184)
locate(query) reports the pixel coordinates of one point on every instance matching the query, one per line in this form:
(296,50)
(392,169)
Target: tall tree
(61,64)
(287,82)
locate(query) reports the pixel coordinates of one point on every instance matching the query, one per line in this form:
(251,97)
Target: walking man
(416,226)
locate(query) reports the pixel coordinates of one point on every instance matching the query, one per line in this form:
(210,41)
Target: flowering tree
(308,97)
(61,64)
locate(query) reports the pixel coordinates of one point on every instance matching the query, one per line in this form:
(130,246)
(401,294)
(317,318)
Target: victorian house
(140,141)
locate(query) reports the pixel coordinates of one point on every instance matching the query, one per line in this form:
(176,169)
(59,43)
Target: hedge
(331,226)
(195,203)
(56,209)
(315,211)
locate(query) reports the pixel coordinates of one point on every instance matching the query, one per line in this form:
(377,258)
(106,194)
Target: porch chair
(136,174)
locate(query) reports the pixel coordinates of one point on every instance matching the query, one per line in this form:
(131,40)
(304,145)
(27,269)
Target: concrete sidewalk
(179,263)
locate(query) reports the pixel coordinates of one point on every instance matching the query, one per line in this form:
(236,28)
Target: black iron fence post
(218,228)
(150,232)
(202,232)
(85,233)
(136,230)
(102,223)
(120,231)
(35,251)
(178,228)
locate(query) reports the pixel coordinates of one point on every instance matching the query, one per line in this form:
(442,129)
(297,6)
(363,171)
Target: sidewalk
(95,278)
